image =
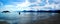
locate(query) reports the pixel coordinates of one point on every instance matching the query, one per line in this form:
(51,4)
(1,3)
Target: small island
(5,11)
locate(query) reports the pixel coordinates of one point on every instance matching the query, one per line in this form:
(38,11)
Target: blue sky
(23,5)
(10,1)
(5,2)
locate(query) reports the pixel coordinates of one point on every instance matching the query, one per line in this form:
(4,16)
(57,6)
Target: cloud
(20,5)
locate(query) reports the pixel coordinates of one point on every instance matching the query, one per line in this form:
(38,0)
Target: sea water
(24,17)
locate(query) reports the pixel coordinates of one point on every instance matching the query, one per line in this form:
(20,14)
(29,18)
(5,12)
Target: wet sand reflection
(29,17)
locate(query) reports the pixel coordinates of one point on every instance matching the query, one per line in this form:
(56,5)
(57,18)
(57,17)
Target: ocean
(25,17)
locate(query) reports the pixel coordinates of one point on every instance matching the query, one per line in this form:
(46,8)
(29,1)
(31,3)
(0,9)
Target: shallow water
(24,17)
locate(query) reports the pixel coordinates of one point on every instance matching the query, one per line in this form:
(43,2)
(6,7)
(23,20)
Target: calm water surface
(24,17)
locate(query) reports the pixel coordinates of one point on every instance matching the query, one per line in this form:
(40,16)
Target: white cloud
(57,0)
(17,6)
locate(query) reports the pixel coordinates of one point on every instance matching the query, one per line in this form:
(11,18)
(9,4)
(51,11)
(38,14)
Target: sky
(20,5)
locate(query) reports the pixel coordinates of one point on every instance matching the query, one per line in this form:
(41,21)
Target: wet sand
(31,18)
